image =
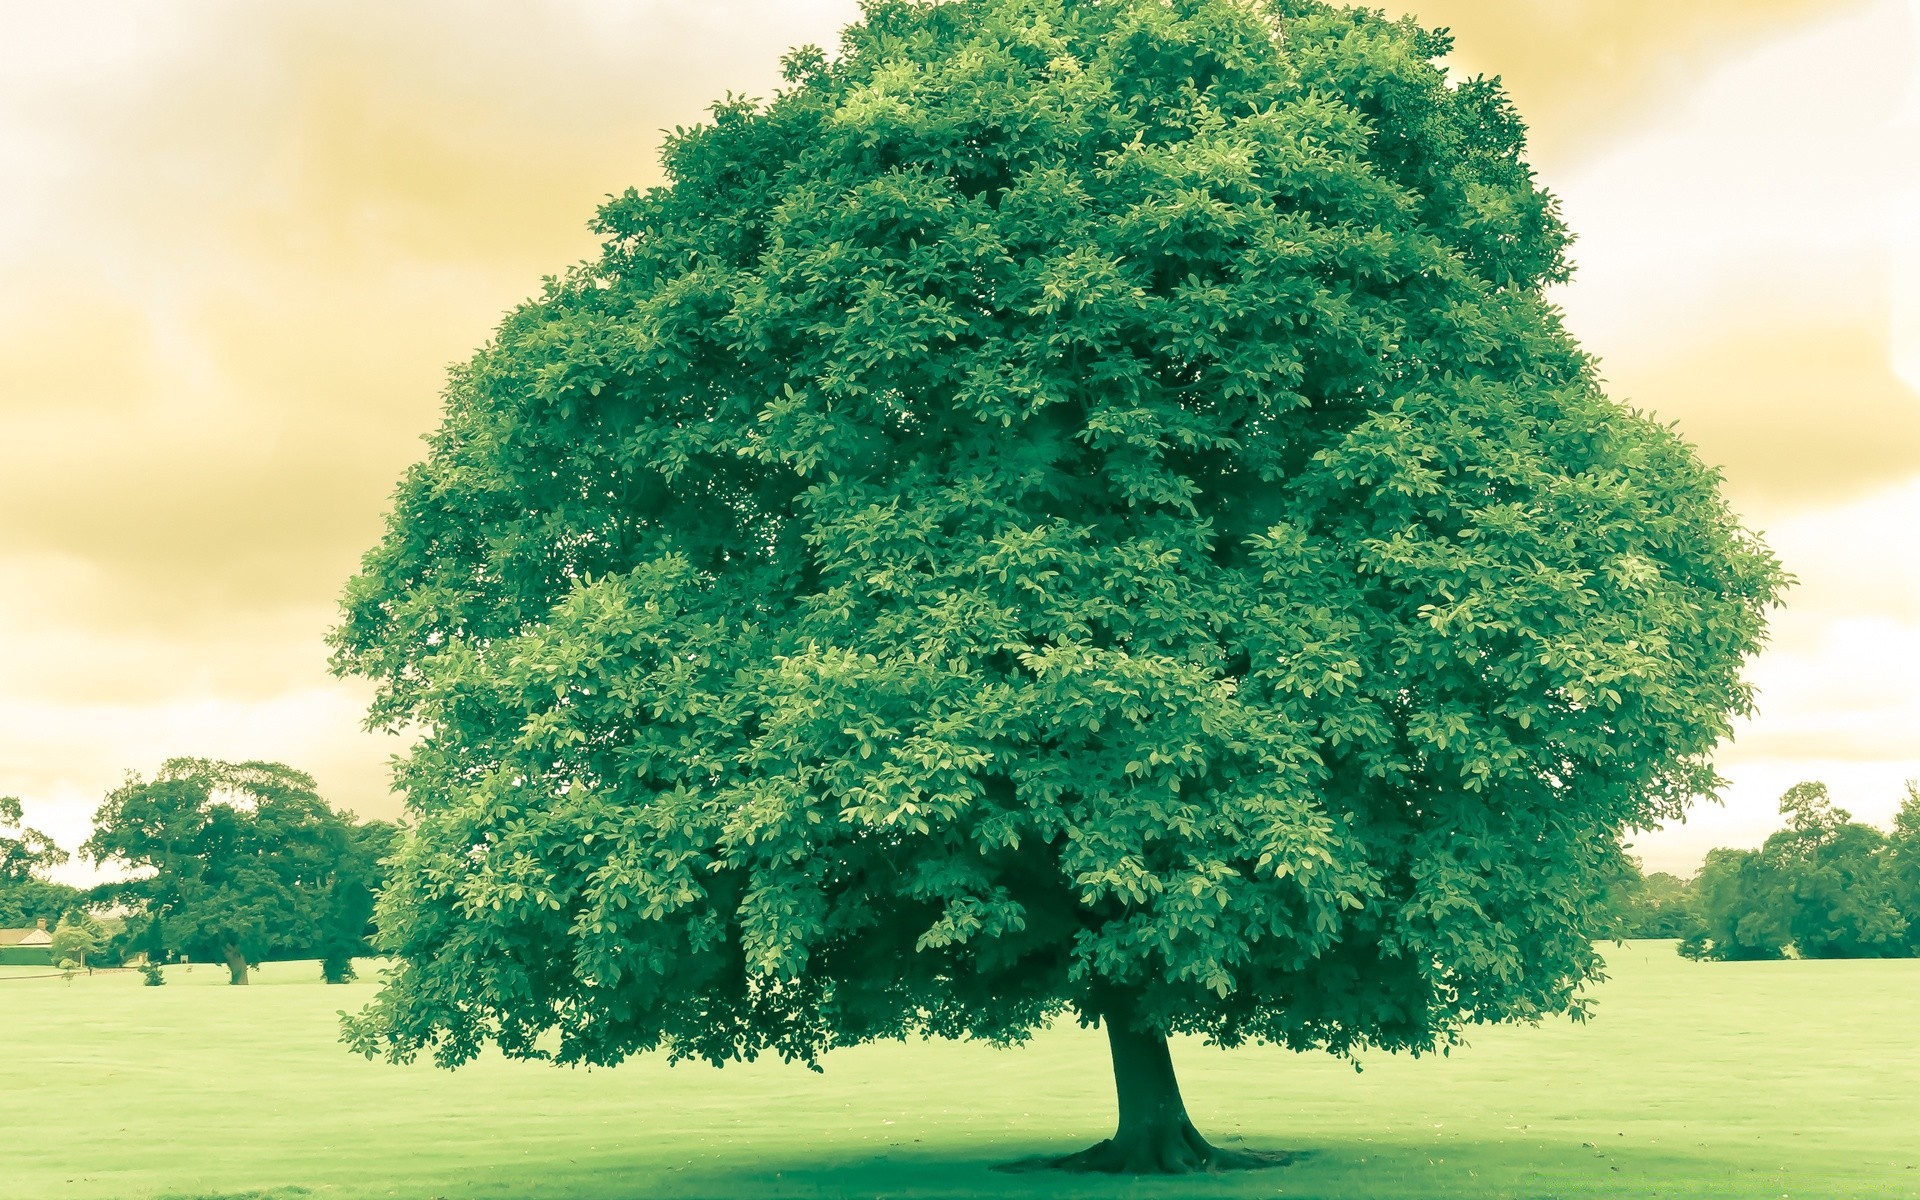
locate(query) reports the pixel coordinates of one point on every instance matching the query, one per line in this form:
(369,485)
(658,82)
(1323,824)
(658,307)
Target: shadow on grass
(1347,1170)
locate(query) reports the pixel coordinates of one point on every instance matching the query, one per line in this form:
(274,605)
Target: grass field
(1761,1080)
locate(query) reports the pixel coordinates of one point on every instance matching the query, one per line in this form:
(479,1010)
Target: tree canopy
(24,852)
(26,895)
(77,937)
(1070,507)
(240,862)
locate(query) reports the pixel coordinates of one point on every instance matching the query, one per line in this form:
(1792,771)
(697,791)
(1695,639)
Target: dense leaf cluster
(1826,886)
(1072,506)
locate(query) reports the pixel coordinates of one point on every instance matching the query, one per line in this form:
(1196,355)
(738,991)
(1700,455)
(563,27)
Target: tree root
(1178,1150)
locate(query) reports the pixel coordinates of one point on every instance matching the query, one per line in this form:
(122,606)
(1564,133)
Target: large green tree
(235,862)
(1071,507)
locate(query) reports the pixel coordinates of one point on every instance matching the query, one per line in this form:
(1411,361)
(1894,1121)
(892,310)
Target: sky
(241,243)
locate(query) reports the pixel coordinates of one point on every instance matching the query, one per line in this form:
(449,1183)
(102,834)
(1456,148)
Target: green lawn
(1731,1080)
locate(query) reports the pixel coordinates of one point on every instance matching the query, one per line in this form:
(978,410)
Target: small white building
(27,947)
(35,937)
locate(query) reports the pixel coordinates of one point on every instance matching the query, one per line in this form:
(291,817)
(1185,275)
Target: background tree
(1824,886)
(25,855)
(23,851)
(1653,906)
(1070,508)
(1840,899)
(77,938)
(347,928)
(1738,910)
(1903,865)
(241,858)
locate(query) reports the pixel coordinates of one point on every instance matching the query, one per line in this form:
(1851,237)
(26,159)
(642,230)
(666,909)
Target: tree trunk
(1154,1136)
(236,966)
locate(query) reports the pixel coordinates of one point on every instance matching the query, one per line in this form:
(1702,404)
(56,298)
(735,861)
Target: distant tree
(1840,899)
(23,851)
(240,858)
(126,931)
(1821,887)
(1737,908)
(348,926)
(1652,906)
(1903,865)
(1071,508)
(29,900)
(77,938)
(26,854)
(25,901)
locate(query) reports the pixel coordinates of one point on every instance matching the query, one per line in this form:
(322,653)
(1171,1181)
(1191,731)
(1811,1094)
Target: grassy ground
(1727,1080)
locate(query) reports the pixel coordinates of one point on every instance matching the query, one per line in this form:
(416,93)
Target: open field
(1797,1079)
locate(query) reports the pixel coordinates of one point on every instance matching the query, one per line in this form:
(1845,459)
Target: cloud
(236,257)
(1738,258)
(1852,558)
(1579,69)
(1788,411)
(1836,695)
(1870,790)
(1849,697)
(239,244)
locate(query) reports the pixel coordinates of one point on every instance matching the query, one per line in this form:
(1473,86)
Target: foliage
(242,858)
(76,938)
(25,854)
(151,975)
(128,936)
(1734,909)
(347,928)
(1902,864)
(1823,887)
(22,902)
(1651,906)
(1070,507)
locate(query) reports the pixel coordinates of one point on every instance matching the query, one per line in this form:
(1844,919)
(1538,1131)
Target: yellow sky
(239,243)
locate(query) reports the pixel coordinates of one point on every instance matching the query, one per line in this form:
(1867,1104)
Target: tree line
(243,863)
(236,863)
(1824,886)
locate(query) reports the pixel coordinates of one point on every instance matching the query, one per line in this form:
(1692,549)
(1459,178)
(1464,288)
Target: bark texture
(1154,1135)
(236,966)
